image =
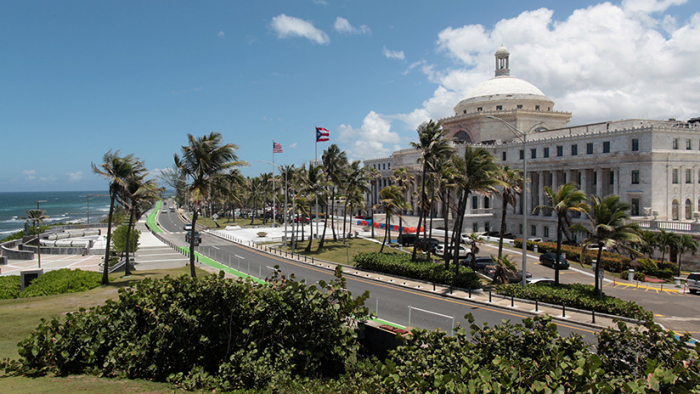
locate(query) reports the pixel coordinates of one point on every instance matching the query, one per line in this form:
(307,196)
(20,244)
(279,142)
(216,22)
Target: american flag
(322,134)
(276,148)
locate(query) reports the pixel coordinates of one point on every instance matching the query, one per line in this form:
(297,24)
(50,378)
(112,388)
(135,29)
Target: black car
(406,239)
(547,259)
(197,238)
(428,244)
(478,263)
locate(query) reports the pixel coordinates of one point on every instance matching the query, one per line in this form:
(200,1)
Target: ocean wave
(14,219)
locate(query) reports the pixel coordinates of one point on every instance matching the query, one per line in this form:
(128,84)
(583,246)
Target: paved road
(428,310)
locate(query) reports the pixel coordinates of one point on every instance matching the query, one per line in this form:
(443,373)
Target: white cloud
(369,140)
(221,34)
(342,25)
(293,145)
(75,176)
(289,26)
(393,54)
(30,174)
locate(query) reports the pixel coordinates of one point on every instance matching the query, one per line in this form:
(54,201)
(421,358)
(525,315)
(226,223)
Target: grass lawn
(19,317)
(223,222)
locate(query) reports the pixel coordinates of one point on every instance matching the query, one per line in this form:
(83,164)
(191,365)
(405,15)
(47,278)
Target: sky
(81,78)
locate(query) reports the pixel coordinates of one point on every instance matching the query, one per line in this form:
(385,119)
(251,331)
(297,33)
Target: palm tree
(117,170)
(685,244)
(402,179)
(312,186)
(374,175)
(256,193)
(431,144)
(567,198)
(202,159)
(356,184)
(392,202)
(334,163)
(37,217)
(139,194)
(609,228)
(512,186)
(478,173)
(649,243)
(664,240)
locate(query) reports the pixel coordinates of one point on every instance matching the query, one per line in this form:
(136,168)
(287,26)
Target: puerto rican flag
(276,148)
(322,134)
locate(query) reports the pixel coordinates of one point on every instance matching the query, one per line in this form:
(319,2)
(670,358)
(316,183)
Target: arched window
(462,137)
(675,206)
(487,202)
(688,209)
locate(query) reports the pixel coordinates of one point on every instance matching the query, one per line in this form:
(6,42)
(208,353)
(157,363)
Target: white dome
(504,86)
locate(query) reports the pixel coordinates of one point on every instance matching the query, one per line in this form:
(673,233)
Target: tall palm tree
(684,244)
(355,184)
(312,186)
(512,186)
(664,240)
(392,202)
(117,170)
(478,173)
(374,176)
(609,228)
(448,180)
(256,192)
(402,179)
(431,144)
(566,199)
(139,194)
(649,243)
(37,217)
(202,159)
(334,163)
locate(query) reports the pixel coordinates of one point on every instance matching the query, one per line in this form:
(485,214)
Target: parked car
(440,250)
(539,281)
(693,282)
(517,276)
(406,239)
(188,226)
(299,219)
(547,259)
(428,244)
(197,238)
(477,263)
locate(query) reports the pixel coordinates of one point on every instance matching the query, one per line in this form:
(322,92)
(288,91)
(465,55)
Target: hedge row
(578,296)
(401,265)
(53,282)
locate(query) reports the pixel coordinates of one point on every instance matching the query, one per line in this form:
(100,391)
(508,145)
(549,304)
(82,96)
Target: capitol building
(654,165)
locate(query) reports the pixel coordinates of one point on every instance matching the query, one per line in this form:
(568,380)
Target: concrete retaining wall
(59,250)
(12,254)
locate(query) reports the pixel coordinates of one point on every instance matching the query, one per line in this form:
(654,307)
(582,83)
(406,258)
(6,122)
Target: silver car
(693,282)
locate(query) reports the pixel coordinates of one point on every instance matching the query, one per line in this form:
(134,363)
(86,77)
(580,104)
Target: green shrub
(10,287)
(667,265)
(62,281)
(578,296)
(400,264)
(665,273)
(211,332)
(648,266)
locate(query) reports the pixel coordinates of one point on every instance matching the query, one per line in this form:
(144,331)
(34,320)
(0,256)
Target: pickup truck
(197,238)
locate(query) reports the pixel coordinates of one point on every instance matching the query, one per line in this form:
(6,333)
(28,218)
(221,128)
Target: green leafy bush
(648,266)
(10,287)
(400,264)
(666,265)
(533,358)
(212,333)
(62,281)
(578,296)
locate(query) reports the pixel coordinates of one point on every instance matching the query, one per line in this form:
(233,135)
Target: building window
(560,151)
(520,229)
(546,152)
(537,107)
(487,203)
(635,177)
(503,155)
(687,145)
(675,176)
(475,202)
(635,144)
(675,206)
(546,232)
(499,108)
(487,226)
(635,206)
(606,146)
(688,176)
(533,153)
(688,210)
(675,143)
(389,166)
(574,150)
(589,148)
(595,177)
(475,227)
(533,230)
(520,106)
(479,109)
(522,154)
(612,177)
(464,111)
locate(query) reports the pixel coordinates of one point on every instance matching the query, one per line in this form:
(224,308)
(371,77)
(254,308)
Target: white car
(440,250)
(188,226)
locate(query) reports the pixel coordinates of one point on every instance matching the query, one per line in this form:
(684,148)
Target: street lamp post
(286,190)
(523,137)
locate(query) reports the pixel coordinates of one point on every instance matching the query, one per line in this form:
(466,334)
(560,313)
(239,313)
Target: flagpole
(315,161)
(274,201)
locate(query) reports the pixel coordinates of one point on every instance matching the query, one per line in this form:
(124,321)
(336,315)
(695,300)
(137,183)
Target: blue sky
(80,78)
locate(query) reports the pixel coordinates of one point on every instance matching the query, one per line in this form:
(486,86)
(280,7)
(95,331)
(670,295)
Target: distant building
(654,165)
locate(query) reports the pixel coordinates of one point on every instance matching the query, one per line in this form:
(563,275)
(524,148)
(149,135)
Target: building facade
(653,165)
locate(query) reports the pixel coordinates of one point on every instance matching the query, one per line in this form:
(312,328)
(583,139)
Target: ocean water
(59,206)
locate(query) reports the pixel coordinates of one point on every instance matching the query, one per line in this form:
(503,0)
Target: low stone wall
(12,254)
(56,250)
